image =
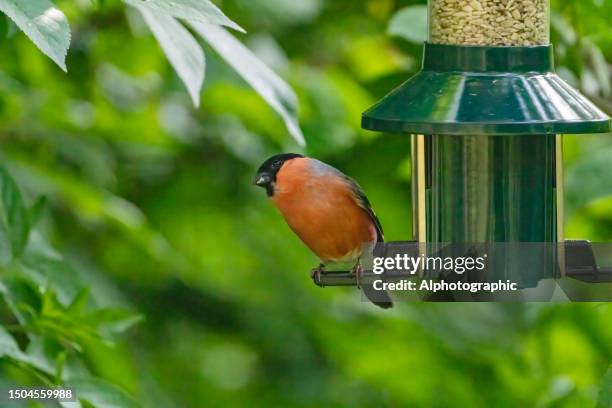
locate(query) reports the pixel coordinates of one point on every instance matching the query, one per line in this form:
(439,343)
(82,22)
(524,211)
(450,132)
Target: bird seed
(489,22)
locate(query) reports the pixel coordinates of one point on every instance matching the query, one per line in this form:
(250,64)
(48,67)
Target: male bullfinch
(326,209)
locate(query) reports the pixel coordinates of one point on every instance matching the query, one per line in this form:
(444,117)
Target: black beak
(263,179)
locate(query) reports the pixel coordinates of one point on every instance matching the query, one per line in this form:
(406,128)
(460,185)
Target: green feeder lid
(486,90)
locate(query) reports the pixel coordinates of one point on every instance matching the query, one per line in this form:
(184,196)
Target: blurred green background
(151,202)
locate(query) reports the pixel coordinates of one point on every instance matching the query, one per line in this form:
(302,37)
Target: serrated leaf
(197,10)
(605,393)
(44,24)
(13,213)
(266,82)
(100,393)
(410,23)
(181,49)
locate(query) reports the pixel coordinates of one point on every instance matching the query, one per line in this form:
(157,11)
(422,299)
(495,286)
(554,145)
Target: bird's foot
(357,272)
(316,273)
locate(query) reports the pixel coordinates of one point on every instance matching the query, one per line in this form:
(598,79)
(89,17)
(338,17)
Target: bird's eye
(277,163)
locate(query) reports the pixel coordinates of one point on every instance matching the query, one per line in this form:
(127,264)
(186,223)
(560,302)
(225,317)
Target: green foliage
(14,215)
(46,26)
(605,394)
(200,10)
(53,316)
(182,50)
(274,90)
(100,393)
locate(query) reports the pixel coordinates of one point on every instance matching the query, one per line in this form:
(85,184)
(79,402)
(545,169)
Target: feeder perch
(486,114)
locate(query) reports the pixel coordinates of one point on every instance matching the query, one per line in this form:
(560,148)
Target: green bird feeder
(486,114)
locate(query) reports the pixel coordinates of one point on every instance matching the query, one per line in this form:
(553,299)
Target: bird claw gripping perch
(316,275)
(357,272)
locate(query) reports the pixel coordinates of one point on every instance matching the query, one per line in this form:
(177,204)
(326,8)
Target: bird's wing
(364,203)
(358,194)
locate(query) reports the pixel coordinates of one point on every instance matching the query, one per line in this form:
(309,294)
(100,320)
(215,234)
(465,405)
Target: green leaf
(268,84)
(13,213)
(36,210)
(79,303)
(100,393)
(45,353)
(196,10)
(44,24)
(20,293)
(116,320)
(98,205)
(605,394)
(182,50)
(60,361)
(600,67)
(10,349)
(45,270)
(410,23)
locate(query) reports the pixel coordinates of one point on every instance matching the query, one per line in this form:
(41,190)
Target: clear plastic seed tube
(489,22)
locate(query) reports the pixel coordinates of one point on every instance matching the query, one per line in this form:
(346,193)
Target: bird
(327,210)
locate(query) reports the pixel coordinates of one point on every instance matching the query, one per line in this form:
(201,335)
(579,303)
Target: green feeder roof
(486,90)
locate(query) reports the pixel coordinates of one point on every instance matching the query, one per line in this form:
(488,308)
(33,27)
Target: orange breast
(322,210)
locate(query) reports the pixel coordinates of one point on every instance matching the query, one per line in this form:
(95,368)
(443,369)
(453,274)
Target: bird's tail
(378,297)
